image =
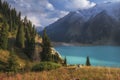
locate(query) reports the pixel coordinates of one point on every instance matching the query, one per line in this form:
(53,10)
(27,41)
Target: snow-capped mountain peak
(96,25)
(111,8)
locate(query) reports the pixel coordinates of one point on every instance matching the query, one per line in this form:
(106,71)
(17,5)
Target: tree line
(25,33)
(11,22)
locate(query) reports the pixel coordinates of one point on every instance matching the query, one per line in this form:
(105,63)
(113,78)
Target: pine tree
(10,22)
(87,61)
(65,61)
(12,62)
(4,36)
(12,17)
(34,30)
(20,37)
(46,48)
(19,18)
(29,43)
(32,46)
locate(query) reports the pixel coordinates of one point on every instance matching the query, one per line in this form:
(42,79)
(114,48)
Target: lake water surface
(99,55)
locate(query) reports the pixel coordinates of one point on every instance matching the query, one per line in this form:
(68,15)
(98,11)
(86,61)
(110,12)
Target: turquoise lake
(99,55)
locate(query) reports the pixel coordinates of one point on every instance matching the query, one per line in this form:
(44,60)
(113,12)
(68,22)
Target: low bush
(2,66)
(45,66)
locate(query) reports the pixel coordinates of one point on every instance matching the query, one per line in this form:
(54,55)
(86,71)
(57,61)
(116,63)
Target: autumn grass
(4,55)
(68,73)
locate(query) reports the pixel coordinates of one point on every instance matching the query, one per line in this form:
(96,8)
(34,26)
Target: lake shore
(68,44)
(81,44)
(99,55)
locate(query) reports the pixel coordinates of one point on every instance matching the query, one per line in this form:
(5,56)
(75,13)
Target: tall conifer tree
(4,36)
(46,46)
(87,61)
(20,37)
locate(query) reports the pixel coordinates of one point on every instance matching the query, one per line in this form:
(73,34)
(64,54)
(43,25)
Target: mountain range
(97,25)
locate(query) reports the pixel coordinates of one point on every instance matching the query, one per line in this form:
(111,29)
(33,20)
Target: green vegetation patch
(45,66)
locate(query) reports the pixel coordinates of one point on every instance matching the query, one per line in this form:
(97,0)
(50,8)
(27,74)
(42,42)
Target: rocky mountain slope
(97,25)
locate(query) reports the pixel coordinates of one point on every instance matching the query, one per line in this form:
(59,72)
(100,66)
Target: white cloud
(48,21)
(109,1)
(63,13)
(79,4)
(112,0)
(50,6)
(43,12)
(34,20)
(73,5)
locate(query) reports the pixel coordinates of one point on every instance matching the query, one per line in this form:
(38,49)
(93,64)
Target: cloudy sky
(45,12)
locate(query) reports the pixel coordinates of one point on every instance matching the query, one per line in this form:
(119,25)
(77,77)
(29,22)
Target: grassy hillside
(70,73)
(10,23)
(24,55)
(4,55)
